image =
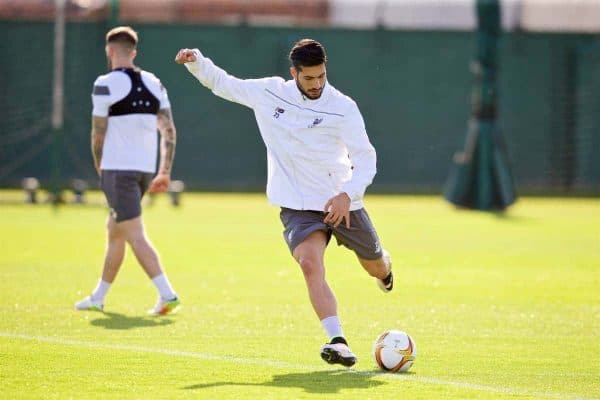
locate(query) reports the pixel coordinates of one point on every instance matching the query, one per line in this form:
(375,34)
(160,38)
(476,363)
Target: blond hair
(125,36)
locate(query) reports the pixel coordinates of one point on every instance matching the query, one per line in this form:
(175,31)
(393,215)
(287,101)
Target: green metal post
(481,178)
(114,13)
(58,101)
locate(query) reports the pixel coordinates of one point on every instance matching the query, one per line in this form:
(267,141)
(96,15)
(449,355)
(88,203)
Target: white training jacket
(316,149)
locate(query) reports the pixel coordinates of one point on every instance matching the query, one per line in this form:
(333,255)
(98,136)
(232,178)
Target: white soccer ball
(394,351)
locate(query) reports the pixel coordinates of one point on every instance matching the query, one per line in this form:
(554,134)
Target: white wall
(533,15)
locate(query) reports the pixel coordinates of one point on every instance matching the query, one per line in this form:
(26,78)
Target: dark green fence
(412,88)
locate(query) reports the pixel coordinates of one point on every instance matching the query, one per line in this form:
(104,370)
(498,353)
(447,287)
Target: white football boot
(89,304)
(164,307)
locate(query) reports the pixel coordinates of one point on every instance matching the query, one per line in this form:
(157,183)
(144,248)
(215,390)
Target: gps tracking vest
(139,100)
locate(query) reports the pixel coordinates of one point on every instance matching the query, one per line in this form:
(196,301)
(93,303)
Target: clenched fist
(184,56)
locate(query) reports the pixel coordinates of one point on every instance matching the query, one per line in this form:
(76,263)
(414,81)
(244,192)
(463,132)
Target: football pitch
(501,306)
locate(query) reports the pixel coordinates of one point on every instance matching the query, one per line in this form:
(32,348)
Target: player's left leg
(364,241)
(148,258)
(142,247)
(381,269)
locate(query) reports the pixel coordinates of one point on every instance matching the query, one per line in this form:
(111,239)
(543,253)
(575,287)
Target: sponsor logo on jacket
(316,122)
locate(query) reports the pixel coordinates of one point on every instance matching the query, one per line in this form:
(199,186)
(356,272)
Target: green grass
(500,306)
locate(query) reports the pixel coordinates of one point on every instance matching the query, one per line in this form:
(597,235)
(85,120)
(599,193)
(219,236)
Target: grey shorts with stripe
(360,238)
(124,191)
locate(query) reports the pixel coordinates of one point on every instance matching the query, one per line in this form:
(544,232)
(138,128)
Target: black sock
(338,339)
(388,279)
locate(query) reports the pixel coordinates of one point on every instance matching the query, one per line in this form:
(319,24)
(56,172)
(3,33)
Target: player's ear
(133,53)
(293,72)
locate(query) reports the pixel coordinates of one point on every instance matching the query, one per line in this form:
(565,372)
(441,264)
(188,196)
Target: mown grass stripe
(282,364)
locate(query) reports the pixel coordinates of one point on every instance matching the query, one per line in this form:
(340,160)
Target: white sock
(100,291)
(332,327)
(164,287)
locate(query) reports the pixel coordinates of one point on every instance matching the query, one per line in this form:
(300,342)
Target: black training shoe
(338,353)
(386,284)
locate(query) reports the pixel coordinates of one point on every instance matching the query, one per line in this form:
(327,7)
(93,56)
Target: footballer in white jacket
(320,162)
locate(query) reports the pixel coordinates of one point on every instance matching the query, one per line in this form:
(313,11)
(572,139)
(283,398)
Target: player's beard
(308,96)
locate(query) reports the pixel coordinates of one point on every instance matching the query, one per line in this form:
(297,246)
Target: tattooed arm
(99,125)
(166,126)
(168,139)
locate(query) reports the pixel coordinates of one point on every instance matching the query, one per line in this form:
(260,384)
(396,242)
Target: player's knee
(135,237)
(310,267)
(137,241)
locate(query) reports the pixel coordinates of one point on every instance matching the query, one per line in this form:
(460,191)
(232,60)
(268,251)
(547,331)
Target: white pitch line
(281,364)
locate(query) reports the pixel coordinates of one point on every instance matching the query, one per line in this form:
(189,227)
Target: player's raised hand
(184,56)
(160,183)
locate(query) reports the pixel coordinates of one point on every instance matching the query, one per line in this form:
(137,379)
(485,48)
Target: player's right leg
(309,254)
(338,352)
(113,259)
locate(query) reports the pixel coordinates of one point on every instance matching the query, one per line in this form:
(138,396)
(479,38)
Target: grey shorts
(124,191)
(360,238)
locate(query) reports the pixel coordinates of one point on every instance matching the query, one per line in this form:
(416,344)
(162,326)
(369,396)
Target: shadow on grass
(311,382)
(111,320)
(500,215)
(511,217)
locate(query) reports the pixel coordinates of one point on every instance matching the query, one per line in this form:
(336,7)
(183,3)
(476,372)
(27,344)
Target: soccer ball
(394,351)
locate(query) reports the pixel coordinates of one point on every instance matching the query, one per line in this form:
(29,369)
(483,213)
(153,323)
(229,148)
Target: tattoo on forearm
(99,125)
(168,140)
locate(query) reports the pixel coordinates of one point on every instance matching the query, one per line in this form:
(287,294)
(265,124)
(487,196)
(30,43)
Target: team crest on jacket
(316,122)
(278,112)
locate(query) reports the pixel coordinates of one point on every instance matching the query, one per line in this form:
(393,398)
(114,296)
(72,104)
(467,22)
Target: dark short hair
(122,35)
(307,53)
